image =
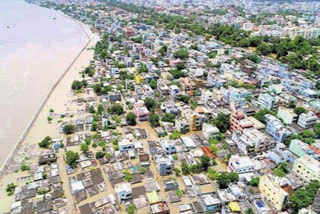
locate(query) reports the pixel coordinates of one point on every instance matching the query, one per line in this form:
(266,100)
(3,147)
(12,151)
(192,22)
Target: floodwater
(36,47)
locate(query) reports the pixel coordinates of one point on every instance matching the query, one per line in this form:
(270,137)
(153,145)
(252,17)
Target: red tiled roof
(208,152)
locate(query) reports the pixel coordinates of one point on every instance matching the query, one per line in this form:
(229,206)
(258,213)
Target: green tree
(45,143)
(254,182)
(177,171)
(169,117)
(175,135)
(131,119)
(76,85)
(68,129)
(299,110)
(150,103)
(281,170)
(100,154)
(260,115)
(116,109)
(205,162)
(127,175)
(10,188)
(24,167)
(180,193)
(303,197)
(154,120)
(316,129)
(153,84)
(226,178)
(222,122)
(182,54)
(72,158)
(185,168)
(84,148)
(131,209)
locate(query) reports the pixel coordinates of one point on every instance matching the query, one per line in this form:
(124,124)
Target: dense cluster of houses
(248,118)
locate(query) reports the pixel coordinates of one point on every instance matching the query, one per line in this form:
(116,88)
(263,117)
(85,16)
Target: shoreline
(29,126)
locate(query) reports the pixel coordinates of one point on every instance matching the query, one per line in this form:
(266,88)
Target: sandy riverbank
(58,100)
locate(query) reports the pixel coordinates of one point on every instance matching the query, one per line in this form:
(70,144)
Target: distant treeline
(298,53)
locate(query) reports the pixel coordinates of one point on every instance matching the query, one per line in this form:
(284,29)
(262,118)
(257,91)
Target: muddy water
(36,47)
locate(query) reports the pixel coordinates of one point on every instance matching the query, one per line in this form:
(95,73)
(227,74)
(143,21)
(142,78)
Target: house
(307,120)
(272,191)
(239,121)
(307,168)
(160,208)
(168,146)
(300,149)
(182,125)
(280,154)
(210,203)
(252,141)
(141,112)
(170,185)
(164,165)
(276,129)
(144,160)
(188,143)
(125,145)
(287,115)
(209,130)
(123,191)
(268,101)
(200,116)
(47,157)
(174,91)
(187,85)
(241,164)
(162,87)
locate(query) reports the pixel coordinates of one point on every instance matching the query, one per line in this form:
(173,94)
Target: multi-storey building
(307,168)
(272,191)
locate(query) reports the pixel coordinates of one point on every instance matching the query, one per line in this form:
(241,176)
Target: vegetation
(281,170)
(222,122)
(45,143)
(299,110)
(10,189)
(131,209)
(254,181)
(24,167)
(226,178)
(150,103)
(181,54)
(72,158)
(168,117)
(116,109)
(175,135)
(180,193)
(100,154)
(131,119)
(154,120)
(68,129)
(84,148)
(260,115)
(303,197)
(127,175)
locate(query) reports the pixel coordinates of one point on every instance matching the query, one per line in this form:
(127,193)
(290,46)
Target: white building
(125,145)
(209,130)
(307,168)
(287,115)
(307,120)
(241,164)
(123,191)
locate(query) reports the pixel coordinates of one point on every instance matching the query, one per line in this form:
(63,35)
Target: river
(36,47)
